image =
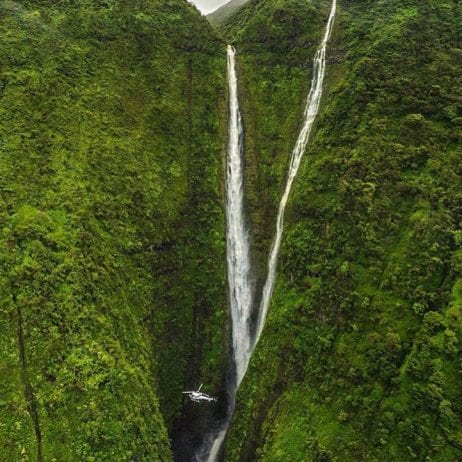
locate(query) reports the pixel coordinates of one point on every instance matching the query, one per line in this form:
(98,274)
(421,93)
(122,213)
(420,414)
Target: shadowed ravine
(238,249)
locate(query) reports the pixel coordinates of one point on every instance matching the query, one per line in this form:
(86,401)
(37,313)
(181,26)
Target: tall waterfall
(311,111)
(238,248)
(238,261)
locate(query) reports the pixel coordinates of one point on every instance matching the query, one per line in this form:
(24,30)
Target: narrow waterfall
(238,261)
(311,111)
(238,248)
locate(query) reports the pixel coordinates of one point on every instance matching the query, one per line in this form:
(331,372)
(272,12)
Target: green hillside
(113,293)
(111,248)
(275,42)
(360,358)
(225,12)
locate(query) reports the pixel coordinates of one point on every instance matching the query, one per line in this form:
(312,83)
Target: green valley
(114,296)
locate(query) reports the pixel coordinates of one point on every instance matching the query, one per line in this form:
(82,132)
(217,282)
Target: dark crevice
(32,406)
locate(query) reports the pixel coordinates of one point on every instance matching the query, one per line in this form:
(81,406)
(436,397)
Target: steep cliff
(276,42)
(112,257)
(360,358)
(111,253)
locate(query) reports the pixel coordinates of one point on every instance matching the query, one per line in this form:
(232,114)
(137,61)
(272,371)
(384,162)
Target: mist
(207,6)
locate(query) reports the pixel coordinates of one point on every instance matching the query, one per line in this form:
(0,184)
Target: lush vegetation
(361,358)
(275,43)
(112,265)
(111,225)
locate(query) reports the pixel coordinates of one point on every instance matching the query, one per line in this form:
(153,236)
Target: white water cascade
(238,259)
(238,248)
(311,111)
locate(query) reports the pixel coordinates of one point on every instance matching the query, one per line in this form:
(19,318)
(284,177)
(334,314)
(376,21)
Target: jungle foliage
(275,44)
(112,257)
(361,355)
(111,225)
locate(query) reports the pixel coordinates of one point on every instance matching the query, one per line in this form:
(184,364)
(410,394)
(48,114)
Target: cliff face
(360,357)
(111,254)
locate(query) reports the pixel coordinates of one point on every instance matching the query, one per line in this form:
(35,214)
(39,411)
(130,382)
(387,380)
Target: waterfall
(238,261)
(238,248)
(311,111)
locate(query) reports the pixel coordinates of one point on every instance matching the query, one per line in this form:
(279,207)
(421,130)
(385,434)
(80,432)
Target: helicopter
(197,396)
